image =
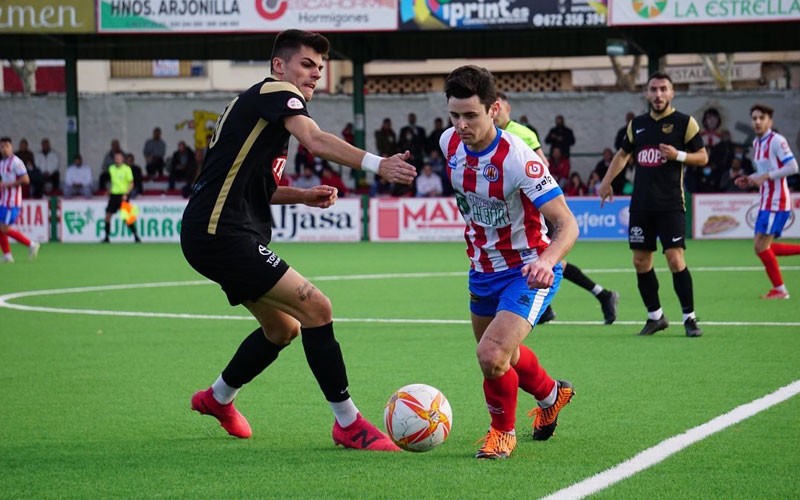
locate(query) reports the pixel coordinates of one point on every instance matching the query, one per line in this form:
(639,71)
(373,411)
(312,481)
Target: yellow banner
(47,16)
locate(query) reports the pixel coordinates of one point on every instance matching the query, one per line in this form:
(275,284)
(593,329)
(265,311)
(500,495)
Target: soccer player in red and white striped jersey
(13,175)
(774,162)
(504,192)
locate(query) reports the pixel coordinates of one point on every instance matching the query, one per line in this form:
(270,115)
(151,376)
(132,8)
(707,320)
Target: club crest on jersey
(278,164)
(667,128)
(534,169)
(491,173)
(452,162)
(294,103)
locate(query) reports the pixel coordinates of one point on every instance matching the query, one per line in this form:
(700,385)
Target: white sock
(782,288)
(345,412)
(688,316)
(222,392)
(597,289)
(550,400)
(655,315)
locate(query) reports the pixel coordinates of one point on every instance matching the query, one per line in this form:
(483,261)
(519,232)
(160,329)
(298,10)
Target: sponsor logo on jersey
(667,128)
(491,173)
(534,169)
(650,157)
(636,235)
(278,165)
(639,130)
(294,103)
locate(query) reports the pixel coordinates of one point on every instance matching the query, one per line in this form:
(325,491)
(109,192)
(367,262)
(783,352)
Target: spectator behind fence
(182,166)
(416,142)
(560,137)
(618,184)
(34,174)
(575,186)
(48,162)
(329,177)
(559,166)
(429,184)
(386,139)
(432,141)
(78,179)
(155,150)
(308,178)
(138,175)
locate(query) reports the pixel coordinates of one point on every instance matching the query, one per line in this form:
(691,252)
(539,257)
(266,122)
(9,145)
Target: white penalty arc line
(665,449)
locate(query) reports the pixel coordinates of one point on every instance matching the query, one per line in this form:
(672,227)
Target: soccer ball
(418,417)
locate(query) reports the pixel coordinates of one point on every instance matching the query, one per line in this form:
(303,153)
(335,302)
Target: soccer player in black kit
(227,227)
(661,142)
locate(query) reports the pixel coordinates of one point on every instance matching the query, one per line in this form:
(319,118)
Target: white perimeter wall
(595,117)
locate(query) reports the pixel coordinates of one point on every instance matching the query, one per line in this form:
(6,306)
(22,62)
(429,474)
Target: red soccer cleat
(229,417)
(775,294)
(362,435)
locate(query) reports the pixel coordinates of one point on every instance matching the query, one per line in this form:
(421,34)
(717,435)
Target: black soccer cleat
(547,315)
(692,330)
(609,307)
(655,325)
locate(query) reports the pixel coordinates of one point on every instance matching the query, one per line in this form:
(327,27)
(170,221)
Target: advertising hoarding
(47,16)
(205,16)
(732,216)
(653,12)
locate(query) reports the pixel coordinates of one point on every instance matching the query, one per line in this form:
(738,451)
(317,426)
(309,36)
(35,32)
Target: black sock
(254,355)
(325,359)
(682,281)
(132,228)
(108,229)
(648,289)
(575,275)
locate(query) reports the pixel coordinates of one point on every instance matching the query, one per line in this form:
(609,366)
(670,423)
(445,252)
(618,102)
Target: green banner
(47,16)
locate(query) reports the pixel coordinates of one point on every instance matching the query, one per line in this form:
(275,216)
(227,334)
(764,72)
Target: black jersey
(244,162)
(658,184)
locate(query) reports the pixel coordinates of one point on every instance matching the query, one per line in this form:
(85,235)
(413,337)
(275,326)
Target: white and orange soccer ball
(418,417)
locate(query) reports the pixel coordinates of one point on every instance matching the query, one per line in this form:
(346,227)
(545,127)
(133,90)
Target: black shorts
(669,227)
(114,202)
(244,267)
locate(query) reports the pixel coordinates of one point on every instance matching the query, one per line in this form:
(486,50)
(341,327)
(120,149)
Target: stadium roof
(415,45)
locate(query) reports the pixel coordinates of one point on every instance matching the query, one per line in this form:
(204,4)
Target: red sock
(771,265)
(19,237)
(4,246)
(533,379)
(501,399)
(785,248)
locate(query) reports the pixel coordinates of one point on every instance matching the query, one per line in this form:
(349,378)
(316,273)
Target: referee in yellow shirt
(121,184)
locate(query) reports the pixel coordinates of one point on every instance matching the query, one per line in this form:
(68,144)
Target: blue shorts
(508,291)
(8,215)
(769,222)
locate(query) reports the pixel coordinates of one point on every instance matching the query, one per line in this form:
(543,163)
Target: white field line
(4,300)
(668,447)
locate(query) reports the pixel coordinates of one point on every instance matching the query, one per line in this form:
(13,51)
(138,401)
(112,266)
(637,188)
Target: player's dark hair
(467,81)
(5,139)
(502,96)
(289,42)
(763,108)
(659,75)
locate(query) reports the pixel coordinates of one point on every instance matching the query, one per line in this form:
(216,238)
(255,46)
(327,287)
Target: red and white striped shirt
(499,191)
(11,169)
(770,153)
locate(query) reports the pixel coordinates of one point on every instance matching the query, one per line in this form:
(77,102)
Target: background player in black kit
(227,227)
(661,142)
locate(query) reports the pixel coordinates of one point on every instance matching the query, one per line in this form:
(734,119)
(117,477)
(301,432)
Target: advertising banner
(732,216)
(47,16)
(159,220)
(652,12)
(34,221)
(500,14)
(607,223)
(205,16)
(415,219)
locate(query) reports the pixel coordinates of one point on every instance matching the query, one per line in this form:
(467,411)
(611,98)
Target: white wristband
(681,156)
(370,163)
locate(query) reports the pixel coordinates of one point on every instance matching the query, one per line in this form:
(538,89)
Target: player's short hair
(5,139)
(502,96)
(763,108)
(467,81)
(289,42)
(659,75)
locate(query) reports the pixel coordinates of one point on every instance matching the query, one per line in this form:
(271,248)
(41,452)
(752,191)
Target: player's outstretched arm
(328,146)
(565,233)
(317,196)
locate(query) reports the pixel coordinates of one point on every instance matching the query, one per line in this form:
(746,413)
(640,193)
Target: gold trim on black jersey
(275,86)
(261,124)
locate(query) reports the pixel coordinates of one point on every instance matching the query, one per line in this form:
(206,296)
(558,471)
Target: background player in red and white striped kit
(504,192)
(13,175)
(774,162)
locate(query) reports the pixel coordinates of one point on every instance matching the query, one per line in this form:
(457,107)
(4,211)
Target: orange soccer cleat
(546,419)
